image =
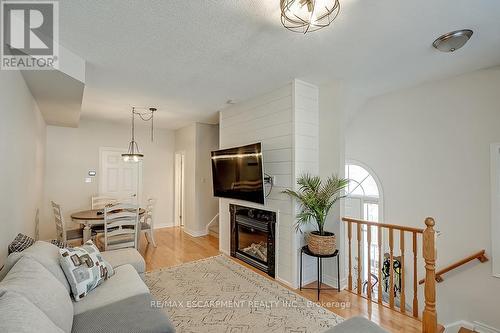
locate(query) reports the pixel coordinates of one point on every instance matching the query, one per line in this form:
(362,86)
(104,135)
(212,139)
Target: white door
(119,179)
(179,189)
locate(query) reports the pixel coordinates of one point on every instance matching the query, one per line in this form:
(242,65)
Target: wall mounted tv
(238,173)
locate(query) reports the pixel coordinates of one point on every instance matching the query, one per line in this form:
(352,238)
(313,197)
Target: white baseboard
(161,226)
(195,233)
(286,283)
(483,328)
(329,280)
(455,327)
(474,326)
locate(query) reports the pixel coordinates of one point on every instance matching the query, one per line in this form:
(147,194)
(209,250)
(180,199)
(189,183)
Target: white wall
(196,141)
(336,100)
(72,152)
(429,146)
(207,140)
(185,142)
(286,122)
(22,153)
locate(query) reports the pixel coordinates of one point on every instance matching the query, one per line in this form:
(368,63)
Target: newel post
(429,317)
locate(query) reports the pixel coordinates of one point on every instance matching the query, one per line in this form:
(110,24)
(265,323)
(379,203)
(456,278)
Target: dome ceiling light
(452,41)
(308,15)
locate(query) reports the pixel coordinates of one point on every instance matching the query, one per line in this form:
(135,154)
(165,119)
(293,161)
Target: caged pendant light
(133,153)
(308,15)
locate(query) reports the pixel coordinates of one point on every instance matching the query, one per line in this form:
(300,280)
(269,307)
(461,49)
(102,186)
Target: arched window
(364,199)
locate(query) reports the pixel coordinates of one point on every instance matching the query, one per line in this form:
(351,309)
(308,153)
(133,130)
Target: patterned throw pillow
(84,268)
(60,244)
(20,243)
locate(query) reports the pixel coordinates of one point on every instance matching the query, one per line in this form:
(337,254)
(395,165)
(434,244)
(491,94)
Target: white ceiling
(188,57)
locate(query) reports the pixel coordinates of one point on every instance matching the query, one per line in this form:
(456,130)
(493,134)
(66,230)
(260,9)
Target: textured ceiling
(188,57)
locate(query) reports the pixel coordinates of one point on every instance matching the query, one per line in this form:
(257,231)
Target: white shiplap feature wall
(306,157)
(285,121)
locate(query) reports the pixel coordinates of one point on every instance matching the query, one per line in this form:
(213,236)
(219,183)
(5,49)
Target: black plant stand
(305,250)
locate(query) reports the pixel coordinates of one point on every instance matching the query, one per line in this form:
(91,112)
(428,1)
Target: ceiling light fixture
(308,15)
(133,154)
(452,41)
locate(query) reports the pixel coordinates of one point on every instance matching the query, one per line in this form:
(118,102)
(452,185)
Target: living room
(205,126)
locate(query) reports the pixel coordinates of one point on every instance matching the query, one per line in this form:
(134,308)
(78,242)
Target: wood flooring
(176,247)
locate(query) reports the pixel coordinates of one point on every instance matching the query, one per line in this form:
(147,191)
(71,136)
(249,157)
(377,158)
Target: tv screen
(238,174)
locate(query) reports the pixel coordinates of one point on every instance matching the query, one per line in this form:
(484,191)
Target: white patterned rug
(219,295)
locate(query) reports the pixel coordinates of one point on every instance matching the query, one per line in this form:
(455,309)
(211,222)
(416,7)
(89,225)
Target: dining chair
(37,224)
(64,234)
(120,226)
(99,202)
(147,225)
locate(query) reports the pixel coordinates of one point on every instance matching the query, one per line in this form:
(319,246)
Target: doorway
(179,189)
(117,178)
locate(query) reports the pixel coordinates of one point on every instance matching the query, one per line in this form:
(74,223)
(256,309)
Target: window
(364,201)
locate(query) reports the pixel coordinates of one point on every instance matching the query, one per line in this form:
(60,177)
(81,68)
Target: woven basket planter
(322,245)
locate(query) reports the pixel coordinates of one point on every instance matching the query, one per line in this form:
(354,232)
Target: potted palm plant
(316,198)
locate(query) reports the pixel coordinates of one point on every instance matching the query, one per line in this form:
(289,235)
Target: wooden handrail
(481,256)
(384,225)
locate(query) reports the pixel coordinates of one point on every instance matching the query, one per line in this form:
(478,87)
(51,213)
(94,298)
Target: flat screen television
(238,173)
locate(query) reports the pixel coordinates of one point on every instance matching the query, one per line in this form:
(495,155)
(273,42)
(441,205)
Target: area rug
(219,295)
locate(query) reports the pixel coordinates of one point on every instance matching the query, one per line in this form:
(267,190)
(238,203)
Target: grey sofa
(36,297)
(356,325)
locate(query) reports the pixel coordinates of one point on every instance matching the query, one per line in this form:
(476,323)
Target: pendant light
(133,153)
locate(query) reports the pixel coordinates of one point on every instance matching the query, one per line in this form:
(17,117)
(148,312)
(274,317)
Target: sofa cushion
(125,256)
(356,325)
(84,268)
(135,313)
(46,254)
(9,263)
(31,280)
(18,315)
(124,284)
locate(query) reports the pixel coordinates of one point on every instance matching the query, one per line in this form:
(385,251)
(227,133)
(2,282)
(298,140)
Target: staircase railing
(212,221)
(429,315)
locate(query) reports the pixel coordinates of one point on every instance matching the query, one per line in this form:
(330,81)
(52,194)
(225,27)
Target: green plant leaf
(316,198)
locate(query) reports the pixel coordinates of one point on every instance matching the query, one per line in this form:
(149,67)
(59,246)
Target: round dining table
(90,218)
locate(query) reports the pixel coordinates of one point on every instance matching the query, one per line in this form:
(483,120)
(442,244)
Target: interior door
(119,179)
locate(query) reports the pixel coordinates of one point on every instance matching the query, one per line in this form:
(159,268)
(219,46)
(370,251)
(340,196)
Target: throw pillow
(60,244)
(20,243)
(84,268)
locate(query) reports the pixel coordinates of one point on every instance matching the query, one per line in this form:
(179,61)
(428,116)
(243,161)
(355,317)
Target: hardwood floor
(176,247)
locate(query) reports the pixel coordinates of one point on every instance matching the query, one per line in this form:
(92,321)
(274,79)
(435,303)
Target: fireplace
(253,234)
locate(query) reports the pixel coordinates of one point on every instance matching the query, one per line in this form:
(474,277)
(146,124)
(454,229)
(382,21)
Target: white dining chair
(147,221)
(121,222)
(37,224)
(64,234)
(99,202)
